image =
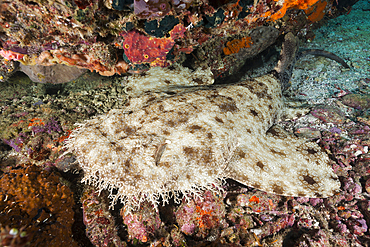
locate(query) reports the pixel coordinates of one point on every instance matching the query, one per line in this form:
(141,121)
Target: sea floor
(36,119)
(347,36)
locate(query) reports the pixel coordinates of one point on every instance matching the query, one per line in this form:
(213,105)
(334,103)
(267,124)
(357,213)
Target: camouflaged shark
(178,145)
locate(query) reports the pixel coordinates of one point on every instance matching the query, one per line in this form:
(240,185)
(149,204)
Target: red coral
(35,199)
(140,48)
(11,55)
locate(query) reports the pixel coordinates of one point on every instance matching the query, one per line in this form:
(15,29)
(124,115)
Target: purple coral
(49,127)
(151,8)
(17,142)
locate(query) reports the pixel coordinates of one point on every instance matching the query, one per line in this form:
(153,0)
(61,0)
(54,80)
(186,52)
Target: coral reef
(11,55)
(235,45)
(141,49)
(211,54)
(104,65)
(36,201)
(151,8)
(7,68)
(39,140)
(94,34)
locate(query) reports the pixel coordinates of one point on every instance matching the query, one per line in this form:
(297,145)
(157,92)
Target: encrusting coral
(106,66)
(234,46)
(142,49)
(35,199)
(115,37)
(193,140)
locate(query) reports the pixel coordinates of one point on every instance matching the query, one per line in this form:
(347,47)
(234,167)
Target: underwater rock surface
(58,73)
(115,37)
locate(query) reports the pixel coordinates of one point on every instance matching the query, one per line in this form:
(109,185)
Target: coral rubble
(58,73)
(143,224)
(202,216)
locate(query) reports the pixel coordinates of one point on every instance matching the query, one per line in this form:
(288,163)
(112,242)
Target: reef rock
(55,74)
(193,140)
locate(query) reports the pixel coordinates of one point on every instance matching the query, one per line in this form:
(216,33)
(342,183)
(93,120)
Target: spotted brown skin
(195,139)
(192,140)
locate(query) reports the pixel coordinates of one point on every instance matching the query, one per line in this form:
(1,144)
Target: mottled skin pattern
(191,141)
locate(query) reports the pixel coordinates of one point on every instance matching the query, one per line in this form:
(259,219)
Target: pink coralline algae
(202,216)
(316,201)
(316,238)
(272,227)
(143,224)
(346,212)
(348,150)
(140,48)
(274,213)
(263,202)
